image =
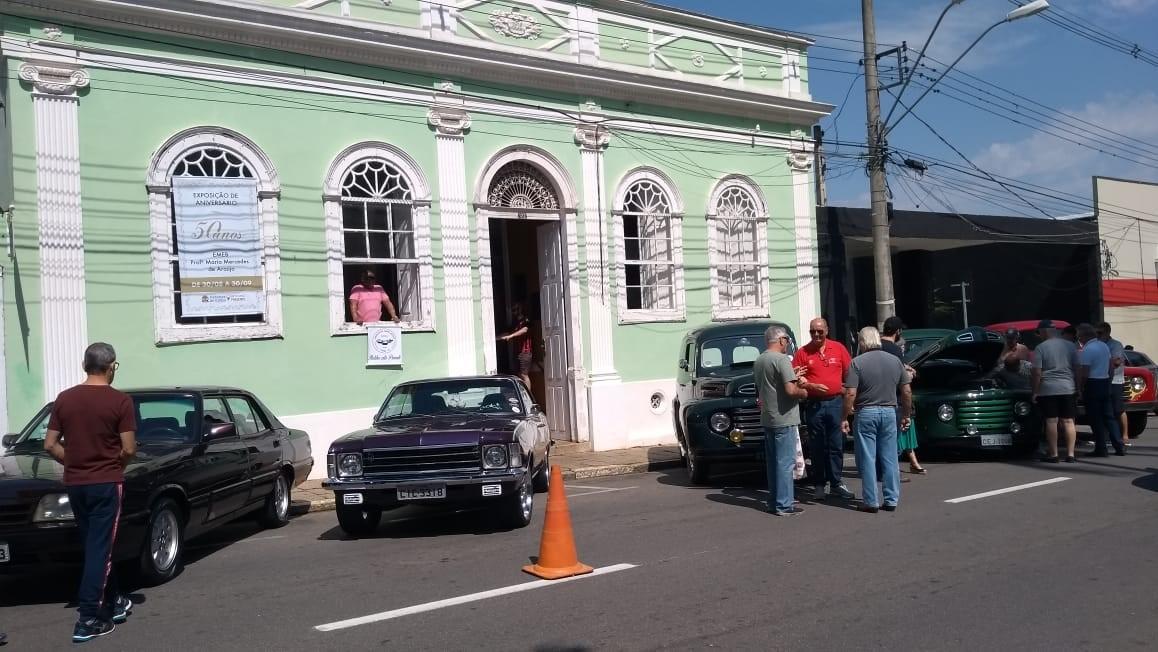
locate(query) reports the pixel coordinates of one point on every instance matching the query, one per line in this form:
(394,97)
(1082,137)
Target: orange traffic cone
(557,556)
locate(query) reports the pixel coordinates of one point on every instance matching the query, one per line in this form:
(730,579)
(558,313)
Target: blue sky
(1031,57)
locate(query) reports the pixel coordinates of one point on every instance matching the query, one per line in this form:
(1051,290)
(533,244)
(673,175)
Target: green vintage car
(919,339)
(961,404)
(715,411)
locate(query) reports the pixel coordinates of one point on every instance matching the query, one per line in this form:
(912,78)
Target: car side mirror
(535,409)
(219,431)
(684,365)
(9,440)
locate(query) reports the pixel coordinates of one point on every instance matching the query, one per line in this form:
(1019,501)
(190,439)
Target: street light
(1024,11)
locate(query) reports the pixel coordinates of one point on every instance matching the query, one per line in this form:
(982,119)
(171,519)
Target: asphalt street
(1061,564)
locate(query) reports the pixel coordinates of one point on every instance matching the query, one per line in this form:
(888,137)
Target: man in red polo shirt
(822,364)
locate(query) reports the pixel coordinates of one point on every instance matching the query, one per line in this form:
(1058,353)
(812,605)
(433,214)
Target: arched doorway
(526,247)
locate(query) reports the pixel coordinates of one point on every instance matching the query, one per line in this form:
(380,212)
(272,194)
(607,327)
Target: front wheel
(517,508)
(275,513)
(164,543)
(1136,423)
(698,470)
(542,480)
(358,520)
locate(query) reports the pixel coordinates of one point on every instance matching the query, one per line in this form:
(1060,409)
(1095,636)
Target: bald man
(821,365)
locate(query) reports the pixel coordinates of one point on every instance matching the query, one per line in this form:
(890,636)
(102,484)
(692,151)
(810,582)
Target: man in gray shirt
(875,382)
(1055,364)
(780,394)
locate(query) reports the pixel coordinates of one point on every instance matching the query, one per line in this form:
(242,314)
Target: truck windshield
(727,355)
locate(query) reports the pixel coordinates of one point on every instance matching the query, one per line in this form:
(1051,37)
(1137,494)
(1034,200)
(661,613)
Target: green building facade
(624,171)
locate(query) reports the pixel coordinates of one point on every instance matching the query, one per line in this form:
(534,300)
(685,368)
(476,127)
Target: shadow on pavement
(422,522)
(1148,481)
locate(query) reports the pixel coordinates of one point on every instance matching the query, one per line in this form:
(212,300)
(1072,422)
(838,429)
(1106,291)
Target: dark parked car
(960,404)
(476,441)
(715,408)
(205,456)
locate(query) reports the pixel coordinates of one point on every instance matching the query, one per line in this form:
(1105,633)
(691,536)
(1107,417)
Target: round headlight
(1021,408)
(971,429)
(495,457)
(1015,427)
(945,412)
(720,422)
(350,464)
(1138,384)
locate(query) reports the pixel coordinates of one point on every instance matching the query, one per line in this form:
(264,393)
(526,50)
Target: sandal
(919,470)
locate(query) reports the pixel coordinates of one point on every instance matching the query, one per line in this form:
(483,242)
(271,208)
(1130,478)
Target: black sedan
(205,456)
(476,441)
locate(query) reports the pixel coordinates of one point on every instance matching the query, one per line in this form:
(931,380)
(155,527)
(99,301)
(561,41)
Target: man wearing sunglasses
(821,365)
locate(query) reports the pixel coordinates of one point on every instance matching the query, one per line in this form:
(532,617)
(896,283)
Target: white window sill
(747,313)
(217,333)
(350,328)
(651,316)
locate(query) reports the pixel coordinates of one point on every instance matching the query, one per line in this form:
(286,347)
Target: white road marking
(463,599)
(275,536)
(997,492)
(600,491)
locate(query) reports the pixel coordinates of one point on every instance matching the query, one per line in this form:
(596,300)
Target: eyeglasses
(816,332)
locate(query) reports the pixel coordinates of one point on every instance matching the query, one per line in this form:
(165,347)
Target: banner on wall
(384,344)
(218,246)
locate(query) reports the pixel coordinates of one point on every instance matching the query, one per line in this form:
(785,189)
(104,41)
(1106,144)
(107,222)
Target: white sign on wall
(218,246)
(384,344)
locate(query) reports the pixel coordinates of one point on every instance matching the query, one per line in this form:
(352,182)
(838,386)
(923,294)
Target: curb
(300,507)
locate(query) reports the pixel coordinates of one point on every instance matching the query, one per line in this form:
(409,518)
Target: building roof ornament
(592,136)
(54,78)
(448,121)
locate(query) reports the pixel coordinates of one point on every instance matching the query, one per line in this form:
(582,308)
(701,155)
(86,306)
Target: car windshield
(482,396)
(161,419)
(726,355)
(914,346)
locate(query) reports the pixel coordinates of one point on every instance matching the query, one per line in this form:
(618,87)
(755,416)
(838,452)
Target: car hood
(439,430)
(28,476)
(973,344)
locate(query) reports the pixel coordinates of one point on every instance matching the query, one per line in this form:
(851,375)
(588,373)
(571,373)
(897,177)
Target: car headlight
(516,454)
(720,422)
(349,465)
(1137,384)
(53,508)
(1021,408)
(945,412)
(1015,427)
(495,456)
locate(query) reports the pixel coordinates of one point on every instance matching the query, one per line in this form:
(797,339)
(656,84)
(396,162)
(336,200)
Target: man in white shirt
(1117,378)
(1094,384)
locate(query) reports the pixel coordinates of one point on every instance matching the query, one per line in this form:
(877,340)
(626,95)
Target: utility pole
(882,255)
(964,301)
(819,165)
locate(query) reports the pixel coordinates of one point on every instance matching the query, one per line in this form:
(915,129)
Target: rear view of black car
(205,456)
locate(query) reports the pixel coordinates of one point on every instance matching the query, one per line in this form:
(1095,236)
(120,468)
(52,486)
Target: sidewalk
(577,462)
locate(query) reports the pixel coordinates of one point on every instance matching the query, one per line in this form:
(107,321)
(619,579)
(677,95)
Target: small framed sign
(384,345)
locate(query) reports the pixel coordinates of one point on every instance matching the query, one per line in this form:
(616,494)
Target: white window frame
(335,243)
(647,315)
(763,308)
(160,187)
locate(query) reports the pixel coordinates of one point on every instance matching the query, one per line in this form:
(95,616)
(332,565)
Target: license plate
(996,440)
(352,499)
(492,490)
(4,553)
(422,493)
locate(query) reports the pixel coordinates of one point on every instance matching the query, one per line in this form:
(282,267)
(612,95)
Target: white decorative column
(61,234)
(450,125)
(807,272)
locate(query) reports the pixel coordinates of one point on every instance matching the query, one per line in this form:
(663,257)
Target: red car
(1140,389)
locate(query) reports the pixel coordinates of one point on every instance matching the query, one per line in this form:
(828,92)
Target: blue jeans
(875,433)
(827,446)
(1100,413)
(780,457)
(97,508)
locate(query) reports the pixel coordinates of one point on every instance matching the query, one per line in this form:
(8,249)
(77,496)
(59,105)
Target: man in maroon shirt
(821,364)
(91,431)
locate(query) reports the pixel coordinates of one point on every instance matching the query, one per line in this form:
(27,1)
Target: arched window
(213,201)
(738,250)
(522,185)
(650,249)
(377,219)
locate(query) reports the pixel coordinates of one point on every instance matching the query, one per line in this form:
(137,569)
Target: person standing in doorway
(1054,385)
(98,426)
(1094,385)
(520,335)
(1117,379)
(875,384)
(906,437)
(367,299)
(780,393)
(821,365)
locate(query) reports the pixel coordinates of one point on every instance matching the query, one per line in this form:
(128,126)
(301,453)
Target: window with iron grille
(649,264)
(738,231)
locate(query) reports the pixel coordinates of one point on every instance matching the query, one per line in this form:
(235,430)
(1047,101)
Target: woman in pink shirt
(367,300)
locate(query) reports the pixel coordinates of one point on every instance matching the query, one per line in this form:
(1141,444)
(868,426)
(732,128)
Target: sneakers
(889,508)
(843,491)
(87,630)
(121,609)
(795,511)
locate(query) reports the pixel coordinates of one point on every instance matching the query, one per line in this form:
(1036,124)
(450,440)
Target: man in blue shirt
(1094,384)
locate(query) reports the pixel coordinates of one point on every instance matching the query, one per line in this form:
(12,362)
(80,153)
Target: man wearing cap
(1053,383)
(821,365)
